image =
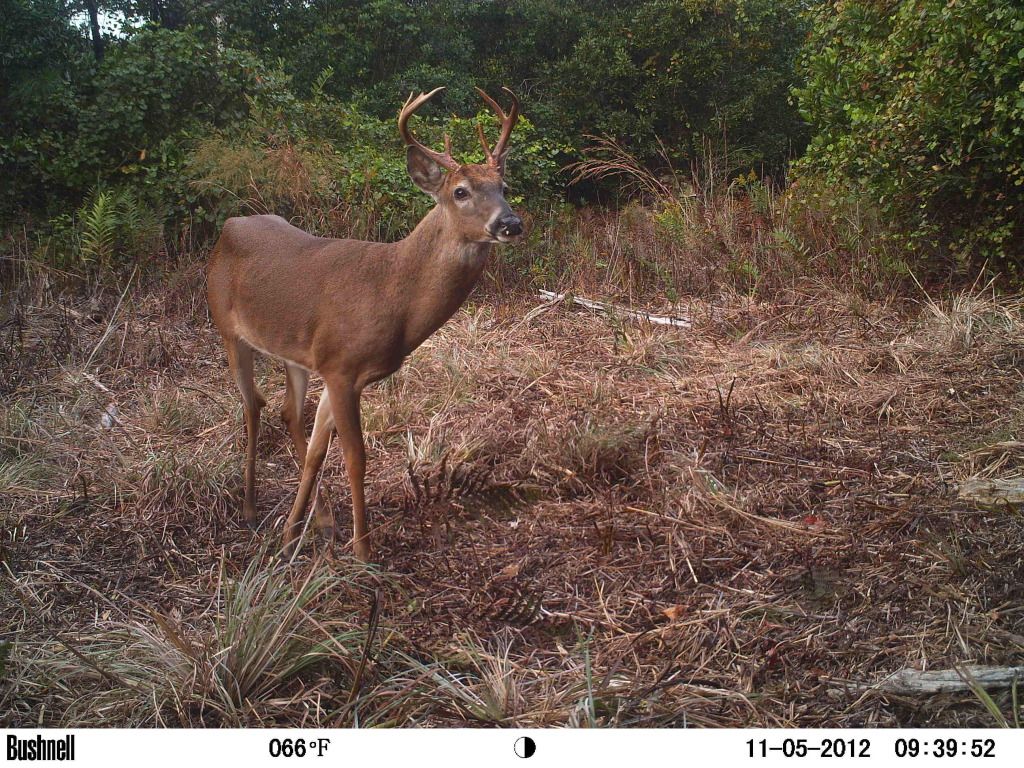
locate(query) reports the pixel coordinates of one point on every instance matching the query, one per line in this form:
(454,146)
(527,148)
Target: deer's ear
(424,172)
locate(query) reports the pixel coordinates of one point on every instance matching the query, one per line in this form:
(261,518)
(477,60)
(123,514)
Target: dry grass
(696,231)
(582,521)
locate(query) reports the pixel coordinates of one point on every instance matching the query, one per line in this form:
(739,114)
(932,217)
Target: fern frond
(99,222)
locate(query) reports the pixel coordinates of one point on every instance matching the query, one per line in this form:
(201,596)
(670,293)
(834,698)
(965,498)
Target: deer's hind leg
(240,361)
(339,407)
(296,386)
(319,442)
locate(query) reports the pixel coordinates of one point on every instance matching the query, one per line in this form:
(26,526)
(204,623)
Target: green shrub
(680,72)
(335,170)
(918,105)
(125,121)
(41,59)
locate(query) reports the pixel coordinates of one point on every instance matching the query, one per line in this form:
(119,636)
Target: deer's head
(473,195)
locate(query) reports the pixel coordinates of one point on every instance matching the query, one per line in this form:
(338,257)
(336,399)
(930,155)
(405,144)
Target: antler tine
(508,122)
(483,142)
(444,159)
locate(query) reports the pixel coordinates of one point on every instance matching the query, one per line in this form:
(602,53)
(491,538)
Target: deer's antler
(444,159)
(508,122)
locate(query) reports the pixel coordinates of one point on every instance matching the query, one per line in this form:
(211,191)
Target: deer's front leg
(240,361)
(345,406)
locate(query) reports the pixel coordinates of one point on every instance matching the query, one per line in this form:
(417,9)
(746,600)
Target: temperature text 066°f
(299,747)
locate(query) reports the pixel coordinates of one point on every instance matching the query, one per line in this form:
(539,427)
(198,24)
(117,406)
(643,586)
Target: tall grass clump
(706,228)
(485,683)
(276,634)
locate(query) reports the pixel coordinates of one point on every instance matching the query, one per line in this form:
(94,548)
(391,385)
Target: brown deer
(352,310)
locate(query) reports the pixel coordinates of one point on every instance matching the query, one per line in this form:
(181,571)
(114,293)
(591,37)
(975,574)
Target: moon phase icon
(525,746)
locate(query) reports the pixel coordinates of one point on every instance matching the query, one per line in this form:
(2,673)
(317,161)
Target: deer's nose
(510,225)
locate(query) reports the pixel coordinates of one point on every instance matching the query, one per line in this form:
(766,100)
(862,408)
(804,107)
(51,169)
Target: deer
(352,311)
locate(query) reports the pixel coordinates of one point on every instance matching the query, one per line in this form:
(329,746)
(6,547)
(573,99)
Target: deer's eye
(504,188)
(461,193)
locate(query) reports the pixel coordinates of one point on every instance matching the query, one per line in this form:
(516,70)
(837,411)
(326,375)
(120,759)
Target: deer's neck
(438,269)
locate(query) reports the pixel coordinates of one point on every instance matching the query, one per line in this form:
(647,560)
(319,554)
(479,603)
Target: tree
(93,10)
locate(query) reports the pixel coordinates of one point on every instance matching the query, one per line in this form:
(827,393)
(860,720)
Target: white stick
(600,306)
(914,681)
(994,491)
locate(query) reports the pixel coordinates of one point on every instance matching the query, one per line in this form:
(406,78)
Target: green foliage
(199,130)
(99,226)
(41,57)
(126,120)
(636,71)
(336,170)
(198,111)
(681,71)
(918,107)
(112,229)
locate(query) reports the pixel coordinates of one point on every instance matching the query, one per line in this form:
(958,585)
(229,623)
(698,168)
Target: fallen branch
(541,309)
(913,681)
(600,306)
(994,492)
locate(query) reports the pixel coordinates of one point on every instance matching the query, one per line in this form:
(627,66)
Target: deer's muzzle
(508,227)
